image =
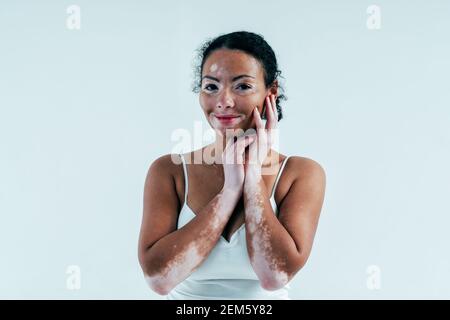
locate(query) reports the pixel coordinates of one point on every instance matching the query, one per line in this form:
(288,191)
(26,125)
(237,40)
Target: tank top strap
(272,193)
(186,183)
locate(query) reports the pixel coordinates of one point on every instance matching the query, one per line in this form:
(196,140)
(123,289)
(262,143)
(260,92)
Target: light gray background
(83,113)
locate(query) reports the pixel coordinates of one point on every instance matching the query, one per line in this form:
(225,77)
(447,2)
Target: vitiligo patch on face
(213,68)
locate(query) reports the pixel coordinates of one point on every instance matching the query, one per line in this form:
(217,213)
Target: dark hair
(250,43)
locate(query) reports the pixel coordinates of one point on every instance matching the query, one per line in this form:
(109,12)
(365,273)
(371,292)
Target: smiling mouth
(226,117)
(226,120)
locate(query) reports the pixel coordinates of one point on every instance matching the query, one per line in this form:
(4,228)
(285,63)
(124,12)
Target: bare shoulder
(164,171)
(165,165)
(305,168)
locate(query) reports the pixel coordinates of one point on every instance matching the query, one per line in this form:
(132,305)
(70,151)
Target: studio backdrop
(92,92)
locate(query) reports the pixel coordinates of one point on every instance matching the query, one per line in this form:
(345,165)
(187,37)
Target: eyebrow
(234,79)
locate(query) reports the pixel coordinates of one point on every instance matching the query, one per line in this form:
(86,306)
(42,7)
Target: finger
(274,105)
(229,150)
(229,146)
(271,120)
(258,120)
(245,137)
(229,143)
(241,145)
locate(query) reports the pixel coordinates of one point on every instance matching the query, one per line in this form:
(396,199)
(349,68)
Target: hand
(259,149)
(233,162)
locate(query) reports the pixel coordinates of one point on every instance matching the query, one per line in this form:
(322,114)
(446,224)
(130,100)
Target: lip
(226,119)
(226,116)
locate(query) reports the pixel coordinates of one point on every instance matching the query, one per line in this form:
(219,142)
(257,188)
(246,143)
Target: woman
(231,228)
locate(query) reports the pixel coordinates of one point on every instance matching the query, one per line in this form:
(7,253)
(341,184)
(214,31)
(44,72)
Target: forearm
(269,245)
(175,256)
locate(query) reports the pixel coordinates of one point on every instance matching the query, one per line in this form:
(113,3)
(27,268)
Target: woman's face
(232,85)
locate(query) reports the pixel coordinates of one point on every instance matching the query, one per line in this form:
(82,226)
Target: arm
(279,248)
(167,255)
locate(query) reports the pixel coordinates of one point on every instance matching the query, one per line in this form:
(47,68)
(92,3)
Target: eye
(210,87)
(244,86)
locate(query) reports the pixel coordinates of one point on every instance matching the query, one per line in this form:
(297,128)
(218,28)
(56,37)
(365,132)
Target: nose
(225,100)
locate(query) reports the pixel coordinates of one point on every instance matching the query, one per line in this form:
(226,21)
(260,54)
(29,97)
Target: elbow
(280,278)
(158,284)
(154,279)
(275,281)
(272,284)
(161,289)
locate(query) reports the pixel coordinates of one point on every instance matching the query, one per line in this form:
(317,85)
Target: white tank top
(227,272)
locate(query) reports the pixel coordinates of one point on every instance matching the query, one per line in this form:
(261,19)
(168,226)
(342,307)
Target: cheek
(250,102)
(206,102)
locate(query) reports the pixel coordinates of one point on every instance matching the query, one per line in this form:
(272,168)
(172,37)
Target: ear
(274,88)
